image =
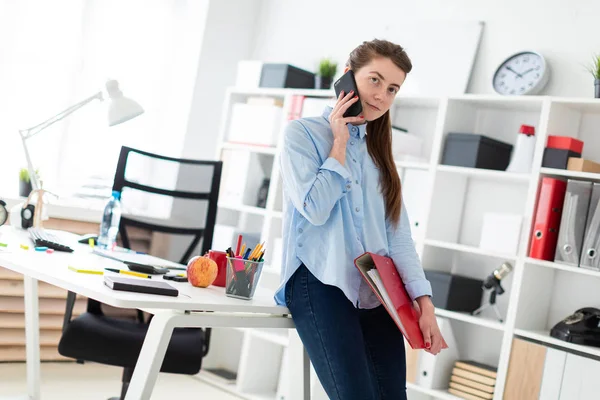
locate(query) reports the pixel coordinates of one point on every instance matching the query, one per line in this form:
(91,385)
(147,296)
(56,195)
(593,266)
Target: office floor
(70,381)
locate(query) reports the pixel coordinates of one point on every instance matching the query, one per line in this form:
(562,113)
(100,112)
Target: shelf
(438,394)
(468,249)
(412,165)
(563,267)
(253,148)
(232,388)
(280,339)
(564,173)
(511,103)
(488,323)
(244,208)
(544,337)
(489,174)
(281,92)
(582,104)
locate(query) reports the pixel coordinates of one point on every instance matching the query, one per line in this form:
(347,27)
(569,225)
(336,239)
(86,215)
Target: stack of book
(472,380)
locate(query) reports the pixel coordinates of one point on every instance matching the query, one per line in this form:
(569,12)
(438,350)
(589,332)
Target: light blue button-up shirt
(333,213)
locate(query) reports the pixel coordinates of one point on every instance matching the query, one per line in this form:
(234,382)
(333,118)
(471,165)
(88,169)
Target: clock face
(3,213)
(522,73)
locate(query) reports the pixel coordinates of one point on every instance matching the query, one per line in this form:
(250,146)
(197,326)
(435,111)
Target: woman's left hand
(429,327)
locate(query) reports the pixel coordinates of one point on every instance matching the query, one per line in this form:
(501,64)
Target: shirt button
(357,238)
(356,181)
(348,187)
(353,129)
(357,209)
(352,142)
(299,244)
(300,230)
(354,159)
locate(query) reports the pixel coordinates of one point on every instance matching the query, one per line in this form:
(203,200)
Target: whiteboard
(442,54)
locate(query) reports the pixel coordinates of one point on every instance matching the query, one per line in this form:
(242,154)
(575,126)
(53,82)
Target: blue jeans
(357,354)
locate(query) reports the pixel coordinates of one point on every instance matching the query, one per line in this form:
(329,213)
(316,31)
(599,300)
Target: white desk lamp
(120,109)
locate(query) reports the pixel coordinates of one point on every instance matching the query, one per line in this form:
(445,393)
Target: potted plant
(327,70)
(595,71)
(24,183)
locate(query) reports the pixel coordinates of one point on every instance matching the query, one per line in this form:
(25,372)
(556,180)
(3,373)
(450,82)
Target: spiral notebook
(383,278)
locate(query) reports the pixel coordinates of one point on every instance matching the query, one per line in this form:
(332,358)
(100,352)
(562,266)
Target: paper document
(374,275)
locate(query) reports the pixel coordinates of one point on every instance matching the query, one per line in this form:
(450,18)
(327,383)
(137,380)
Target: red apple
(201,271)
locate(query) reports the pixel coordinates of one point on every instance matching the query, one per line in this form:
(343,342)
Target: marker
(91,243)
(24,247)
(86,271)
(238,245)
(41,248)
(50,251)
(122,271)
(3,245)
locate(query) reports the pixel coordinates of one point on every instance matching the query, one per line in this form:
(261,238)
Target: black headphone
(27,214)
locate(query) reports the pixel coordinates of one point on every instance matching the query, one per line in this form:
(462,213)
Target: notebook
(140,285)
(383,278)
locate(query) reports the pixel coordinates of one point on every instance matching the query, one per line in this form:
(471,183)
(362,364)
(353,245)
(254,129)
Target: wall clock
(520,74)
(3,213)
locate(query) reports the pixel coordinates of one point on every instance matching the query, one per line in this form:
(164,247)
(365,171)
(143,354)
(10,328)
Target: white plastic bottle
(522,156)
(111,218)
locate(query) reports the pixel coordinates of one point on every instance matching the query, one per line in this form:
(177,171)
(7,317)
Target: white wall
(228,38)
(565,32)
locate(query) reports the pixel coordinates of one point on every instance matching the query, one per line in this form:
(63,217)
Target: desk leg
(152,356)
(299,369)
(32,337)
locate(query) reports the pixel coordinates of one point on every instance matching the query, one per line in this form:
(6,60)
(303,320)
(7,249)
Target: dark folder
(140,285)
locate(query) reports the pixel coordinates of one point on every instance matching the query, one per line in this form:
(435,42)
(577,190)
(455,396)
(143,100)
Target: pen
(122,271)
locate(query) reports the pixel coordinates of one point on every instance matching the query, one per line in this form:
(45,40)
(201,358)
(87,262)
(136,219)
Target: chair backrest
(184,206)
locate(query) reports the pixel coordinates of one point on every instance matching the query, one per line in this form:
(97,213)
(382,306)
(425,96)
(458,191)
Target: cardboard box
(582,165)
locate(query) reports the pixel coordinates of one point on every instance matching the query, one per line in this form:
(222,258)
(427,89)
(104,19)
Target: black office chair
(95,337)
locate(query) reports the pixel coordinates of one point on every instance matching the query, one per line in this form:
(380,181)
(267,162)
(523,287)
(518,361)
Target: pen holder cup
(242,277)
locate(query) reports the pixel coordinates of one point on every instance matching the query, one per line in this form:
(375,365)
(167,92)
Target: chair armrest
(71,296)
(206,343)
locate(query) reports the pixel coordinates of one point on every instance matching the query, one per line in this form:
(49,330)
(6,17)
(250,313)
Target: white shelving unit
(446,216)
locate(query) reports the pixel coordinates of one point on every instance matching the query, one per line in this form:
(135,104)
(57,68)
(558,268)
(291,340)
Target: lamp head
(121,108)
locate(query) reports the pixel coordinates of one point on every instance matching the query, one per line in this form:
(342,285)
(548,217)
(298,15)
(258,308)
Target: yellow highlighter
(132,273)
(86,271)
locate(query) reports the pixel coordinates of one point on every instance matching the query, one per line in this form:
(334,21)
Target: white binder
(572,222)
(591,241)
(434,372)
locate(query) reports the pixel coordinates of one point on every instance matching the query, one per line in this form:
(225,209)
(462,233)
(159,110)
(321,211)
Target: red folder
(547,219)
(402,310)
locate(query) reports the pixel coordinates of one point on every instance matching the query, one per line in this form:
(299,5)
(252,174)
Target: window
(55,54)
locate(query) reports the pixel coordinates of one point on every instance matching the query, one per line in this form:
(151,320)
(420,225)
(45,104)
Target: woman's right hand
(337,120)
(339,127)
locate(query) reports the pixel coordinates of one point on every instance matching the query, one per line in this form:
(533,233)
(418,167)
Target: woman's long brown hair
(379,131)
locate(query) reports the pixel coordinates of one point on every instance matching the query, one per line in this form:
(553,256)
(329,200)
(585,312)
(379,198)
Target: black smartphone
(347,83)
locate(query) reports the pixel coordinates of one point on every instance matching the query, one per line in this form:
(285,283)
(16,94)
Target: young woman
(341,198)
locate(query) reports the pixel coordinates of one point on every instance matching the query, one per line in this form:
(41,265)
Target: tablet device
(140,285)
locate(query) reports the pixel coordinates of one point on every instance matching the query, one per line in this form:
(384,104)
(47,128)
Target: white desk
(194,307)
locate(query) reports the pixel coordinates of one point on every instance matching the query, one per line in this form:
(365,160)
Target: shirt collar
(359,132)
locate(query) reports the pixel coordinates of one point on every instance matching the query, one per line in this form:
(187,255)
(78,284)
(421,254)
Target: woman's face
(378,83)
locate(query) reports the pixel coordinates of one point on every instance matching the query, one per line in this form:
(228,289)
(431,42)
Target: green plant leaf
(594,68)
(327,68)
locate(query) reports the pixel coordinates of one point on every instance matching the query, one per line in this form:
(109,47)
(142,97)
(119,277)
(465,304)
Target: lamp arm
(34,130)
